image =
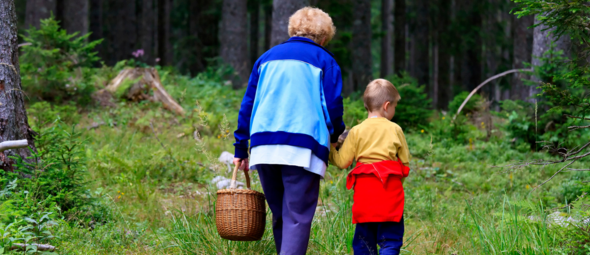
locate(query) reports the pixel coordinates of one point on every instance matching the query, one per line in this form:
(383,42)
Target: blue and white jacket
(293,98)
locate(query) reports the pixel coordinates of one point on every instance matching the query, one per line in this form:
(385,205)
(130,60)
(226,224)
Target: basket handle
(232,184)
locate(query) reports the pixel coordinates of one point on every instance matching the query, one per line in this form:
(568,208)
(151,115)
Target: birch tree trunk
(361,43)
(282,10)
(13,115)
(233,49)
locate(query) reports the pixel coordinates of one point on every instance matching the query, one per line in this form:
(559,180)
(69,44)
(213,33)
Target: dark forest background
(447,45)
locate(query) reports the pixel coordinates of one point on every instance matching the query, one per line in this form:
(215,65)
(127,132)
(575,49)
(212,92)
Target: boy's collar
(307,40)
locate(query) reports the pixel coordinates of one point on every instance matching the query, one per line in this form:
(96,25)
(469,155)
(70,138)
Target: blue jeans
(292,195)
(388,235)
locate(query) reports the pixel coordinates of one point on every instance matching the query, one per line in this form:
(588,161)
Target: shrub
(55,181)
(354,112)
(56,66)
(414,109)
(471,106)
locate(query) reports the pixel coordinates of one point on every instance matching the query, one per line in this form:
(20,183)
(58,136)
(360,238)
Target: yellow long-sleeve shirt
(374,140)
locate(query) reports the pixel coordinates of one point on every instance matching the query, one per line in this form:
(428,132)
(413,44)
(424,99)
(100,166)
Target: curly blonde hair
(312,23)
(378,92)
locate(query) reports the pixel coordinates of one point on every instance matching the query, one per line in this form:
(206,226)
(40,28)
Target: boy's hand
(242,163)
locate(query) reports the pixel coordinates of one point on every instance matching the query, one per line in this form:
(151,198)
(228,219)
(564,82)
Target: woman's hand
(242,163)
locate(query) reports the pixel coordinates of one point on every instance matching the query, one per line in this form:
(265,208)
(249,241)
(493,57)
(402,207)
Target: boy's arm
(403,152)
(242,134)
(332,83)
(343,158)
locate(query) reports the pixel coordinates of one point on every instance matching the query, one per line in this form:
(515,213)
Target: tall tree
(254,17)
(443,91)
(522,34)
(282,10)
(75,16)
(96,24)
(267,25)
(122,30)
(543,37)
(422,43)
(233,50)
(146,30)
(400,36)
(361,43)
(197,63)
(38,10)
(472,58)
(386,42)
(164,26)
(13,116)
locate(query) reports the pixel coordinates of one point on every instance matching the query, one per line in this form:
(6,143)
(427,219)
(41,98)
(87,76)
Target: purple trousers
(292,195)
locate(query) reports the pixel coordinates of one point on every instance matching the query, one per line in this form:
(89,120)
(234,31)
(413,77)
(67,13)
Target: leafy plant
(56,65)
(414,109)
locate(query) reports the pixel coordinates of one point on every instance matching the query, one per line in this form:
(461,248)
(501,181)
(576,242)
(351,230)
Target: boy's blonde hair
(378,92)
(312,23)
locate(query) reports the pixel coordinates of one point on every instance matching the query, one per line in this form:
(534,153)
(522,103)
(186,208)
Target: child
(380,150)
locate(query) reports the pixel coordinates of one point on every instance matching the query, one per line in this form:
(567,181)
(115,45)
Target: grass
(459,200)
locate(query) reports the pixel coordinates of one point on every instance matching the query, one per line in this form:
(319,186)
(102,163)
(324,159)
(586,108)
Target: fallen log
(40,247)
(17,144)
(142,80)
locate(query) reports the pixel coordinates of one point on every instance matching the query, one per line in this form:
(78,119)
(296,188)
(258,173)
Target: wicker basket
(240,213)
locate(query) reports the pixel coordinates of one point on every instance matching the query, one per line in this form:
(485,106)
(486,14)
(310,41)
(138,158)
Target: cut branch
(7,145)
(486,82)
(577,127)
(40,247)
(553,175)
(575,117)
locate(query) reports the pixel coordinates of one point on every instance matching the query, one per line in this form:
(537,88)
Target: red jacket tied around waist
(378,191)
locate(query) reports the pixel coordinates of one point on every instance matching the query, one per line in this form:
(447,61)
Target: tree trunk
(197,63)
(386,44)
(147,31)
(472,64)
(444,91)
(38,10)
(233,48)
(422,44)
(542,39)
(75,16)
(522,35)
(254,17)
(96,25)
(122,30)
(400,36)
(267,25)
(361,43)
(282,10)
(13,115)
(164,46)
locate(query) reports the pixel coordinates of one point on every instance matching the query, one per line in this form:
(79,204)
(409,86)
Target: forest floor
(145,163)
